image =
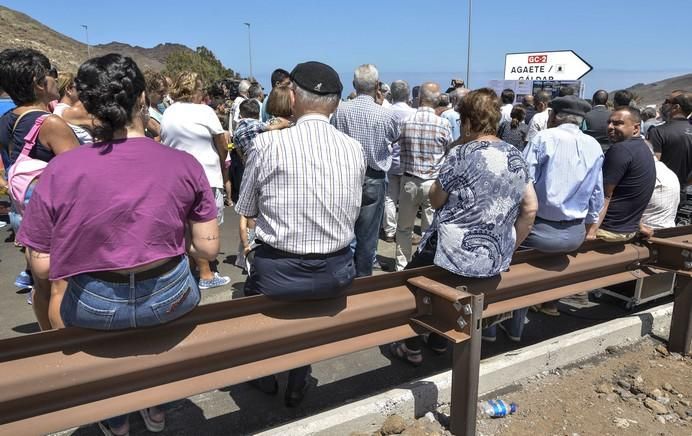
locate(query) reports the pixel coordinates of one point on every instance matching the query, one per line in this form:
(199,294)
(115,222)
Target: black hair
(20,70)
(518,115)
(507,96)
(648,113)
(109,86)
(565,91)
(600,97)
(684,100)
(249,108)
(635,114)
(622,98)
(279,75)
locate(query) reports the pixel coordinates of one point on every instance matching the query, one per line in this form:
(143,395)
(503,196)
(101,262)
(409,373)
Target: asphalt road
(243,410)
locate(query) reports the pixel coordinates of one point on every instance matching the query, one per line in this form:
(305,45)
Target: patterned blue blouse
(485,181)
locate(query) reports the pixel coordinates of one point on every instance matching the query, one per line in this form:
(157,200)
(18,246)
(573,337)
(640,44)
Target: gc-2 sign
(547,65)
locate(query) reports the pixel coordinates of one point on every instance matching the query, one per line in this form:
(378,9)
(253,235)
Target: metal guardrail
(63,378)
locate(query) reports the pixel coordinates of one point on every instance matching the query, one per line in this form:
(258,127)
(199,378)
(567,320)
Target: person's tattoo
(36,255)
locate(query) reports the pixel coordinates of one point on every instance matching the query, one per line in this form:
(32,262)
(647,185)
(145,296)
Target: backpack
(25,169)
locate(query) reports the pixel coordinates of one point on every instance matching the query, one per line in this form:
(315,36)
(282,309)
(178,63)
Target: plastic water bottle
(496,408)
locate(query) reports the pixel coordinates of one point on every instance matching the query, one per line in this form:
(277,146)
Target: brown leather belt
(113,277)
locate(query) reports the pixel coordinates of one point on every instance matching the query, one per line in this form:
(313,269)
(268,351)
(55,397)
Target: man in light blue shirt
(565,165)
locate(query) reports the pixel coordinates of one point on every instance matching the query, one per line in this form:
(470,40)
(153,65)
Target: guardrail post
(680,337)
(465,373)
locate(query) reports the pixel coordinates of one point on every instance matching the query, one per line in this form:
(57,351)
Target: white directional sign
(546,65)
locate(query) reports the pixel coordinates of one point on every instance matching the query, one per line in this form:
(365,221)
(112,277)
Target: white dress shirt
(539,122)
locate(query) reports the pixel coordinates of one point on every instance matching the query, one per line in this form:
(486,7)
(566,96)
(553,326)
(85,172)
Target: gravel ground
(638,390)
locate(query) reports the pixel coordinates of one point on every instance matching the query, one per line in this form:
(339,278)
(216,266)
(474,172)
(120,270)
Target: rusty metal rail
(60,379)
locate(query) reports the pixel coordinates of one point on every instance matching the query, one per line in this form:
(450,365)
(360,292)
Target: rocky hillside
(20,30)
(654,93)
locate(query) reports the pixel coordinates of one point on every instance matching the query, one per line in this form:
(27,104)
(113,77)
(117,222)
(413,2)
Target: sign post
(546,65)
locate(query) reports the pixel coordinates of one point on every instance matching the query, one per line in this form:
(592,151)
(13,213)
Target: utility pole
(249,46)
(468,51)
(86,30)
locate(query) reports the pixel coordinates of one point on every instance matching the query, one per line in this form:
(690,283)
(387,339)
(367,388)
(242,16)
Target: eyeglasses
(52,72)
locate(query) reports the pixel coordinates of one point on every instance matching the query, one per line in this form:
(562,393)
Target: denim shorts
(100,305)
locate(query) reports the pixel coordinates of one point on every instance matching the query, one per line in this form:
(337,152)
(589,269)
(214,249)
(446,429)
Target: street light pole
(468,51)
(249,46)
(86,30)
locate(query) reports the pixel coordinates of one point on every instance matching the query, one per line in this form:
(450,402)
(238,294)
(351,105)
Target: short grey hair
(244,86)
(366,78)
(564,118)
(312,99)
(429,97)
(399,91)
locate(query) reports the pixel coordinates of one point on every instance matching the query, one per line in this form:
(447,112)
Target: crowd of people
(316,181)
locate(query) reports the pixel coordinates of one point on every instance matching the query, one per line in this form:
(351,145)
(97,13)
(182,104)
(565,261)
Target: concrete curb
(418,397)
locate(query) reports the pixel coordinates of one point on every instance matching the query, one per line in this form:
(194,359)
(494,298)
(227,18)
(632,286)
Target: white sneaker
(217,281)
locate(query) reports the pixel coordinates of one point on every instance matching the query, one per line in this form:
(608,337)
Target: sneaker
(24,280)
(30,298)
(217,281)
(511,338)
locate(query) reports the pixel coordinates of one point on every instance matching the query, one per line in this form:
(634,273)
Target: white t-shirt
(60,108)
(191,127)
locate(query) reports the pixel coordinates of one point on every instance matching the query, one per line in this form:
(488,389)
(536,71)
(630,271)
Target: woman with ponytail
(110,222)
(514,131)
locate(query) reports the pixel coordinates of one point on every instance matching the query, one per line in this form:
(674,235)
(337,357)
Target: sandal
(152,424)
(399,350)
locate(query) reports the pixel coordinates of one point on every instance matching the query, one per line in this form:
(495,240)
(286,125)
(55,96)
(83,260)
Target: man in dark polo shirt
(629,176)
(596,119)
(672,141)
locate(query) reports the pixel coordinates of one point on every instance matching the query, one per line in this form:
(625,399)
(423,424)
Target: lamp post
(249,45)
(86,30)
(468,51)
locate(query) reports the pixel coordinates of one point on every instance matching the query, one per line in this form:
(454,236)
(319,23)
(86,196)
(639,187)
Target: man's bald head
(429,94)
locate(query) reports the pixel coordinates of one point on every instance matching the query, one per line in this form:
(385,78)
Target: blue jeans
(555,237)
(95,304)
(368,224)
(513,325)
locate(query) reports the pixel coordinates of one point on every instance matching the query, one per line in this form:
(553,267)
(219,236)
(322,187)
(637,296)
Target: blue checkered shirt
(246,130)
(370,124)
(424,140)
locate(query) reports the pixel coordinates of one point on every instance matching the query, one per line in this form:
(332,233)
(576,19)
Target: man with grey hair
(376,129)
(565,166)
(399,92)
(424,140)
(243,88)
(306,203)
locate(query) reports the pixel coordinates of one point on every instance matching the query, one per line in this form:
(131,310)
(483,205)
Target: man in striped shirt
(424,138)
(375,128)
(304,185)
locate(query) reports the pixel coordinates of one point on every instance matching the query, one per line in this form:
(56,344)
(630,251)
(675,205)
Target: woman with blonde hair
(67,92)
(191,126)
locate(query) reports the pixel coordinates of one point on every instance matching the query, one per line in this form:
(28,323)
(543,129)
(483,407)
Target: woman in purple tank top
(108,222)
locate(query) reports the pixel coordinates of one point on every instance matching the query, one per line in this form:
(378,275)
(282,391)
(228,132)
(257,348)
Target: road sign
(546,65)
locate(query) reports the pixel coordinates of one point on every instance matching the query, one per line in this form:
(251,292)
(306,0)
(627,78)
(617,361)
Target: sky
(626,41)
